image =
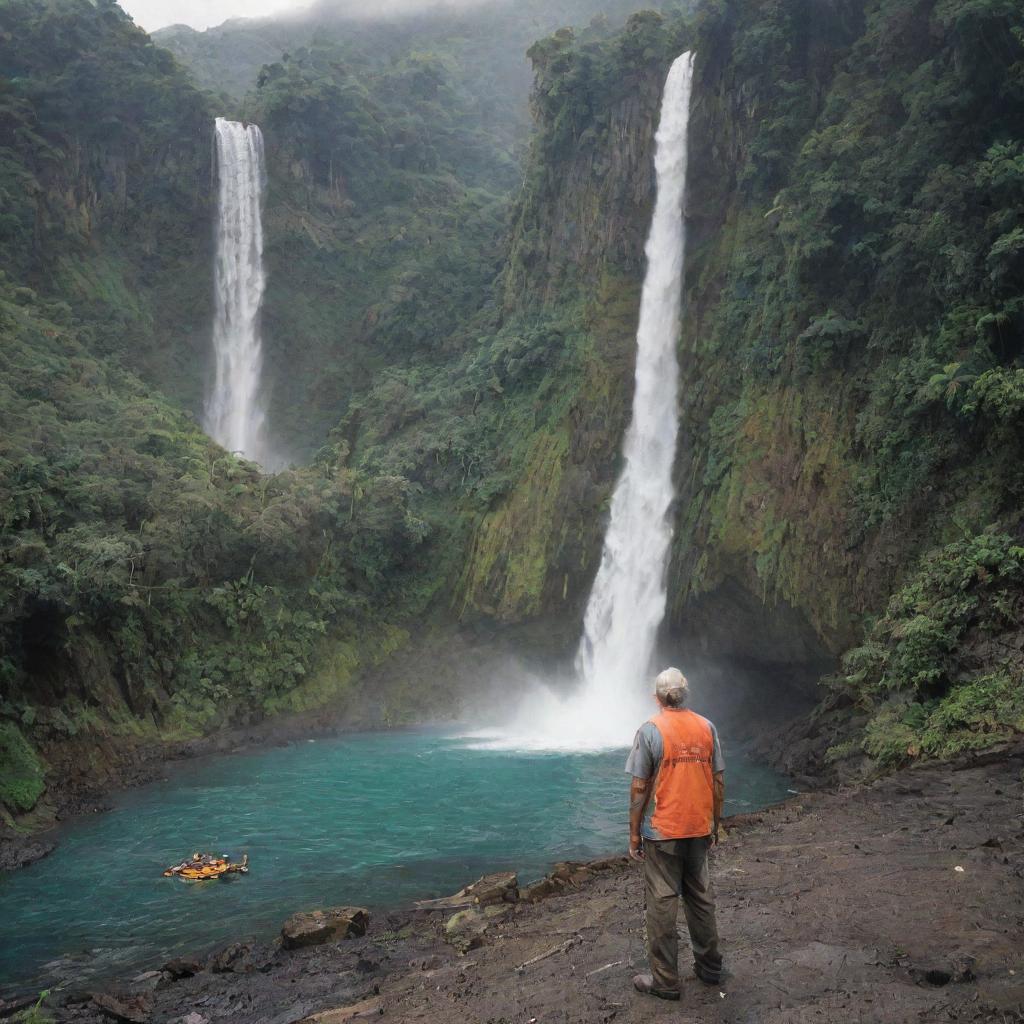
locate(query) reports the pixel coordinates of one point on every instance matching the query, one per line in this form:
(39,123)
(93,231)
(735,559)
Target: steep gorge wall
(106,180)
(853,313)
(762,576)
(825,451)
(576,251)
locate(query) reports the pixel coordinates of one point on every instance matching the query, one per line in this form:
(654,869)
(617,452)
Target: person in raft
(677,759)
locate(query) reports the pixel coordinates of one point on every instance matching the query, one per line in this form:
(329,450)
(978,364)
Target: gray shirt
(645,757)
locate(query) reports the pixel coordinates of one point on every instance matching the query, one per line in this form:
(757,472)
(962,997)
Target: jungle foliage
(104,182)
(448,340)
(941,671)
(867,343)
(148,579)
(152,585)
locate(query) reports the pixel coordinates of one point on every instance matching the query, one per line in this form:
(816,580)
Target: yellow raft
(203,867)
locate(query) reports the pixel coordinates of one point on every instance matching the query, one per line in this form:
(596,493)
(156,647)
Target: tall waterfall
(234,413)
(627,603)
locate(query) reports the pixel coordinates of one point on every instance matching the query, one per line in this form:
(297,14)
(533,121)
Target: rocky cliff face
(576,251)
(851,316)
(106,179)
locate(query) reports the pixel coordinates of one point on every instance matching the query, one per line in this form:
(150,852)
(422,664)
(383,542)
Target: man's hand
(718,783)
(639,795)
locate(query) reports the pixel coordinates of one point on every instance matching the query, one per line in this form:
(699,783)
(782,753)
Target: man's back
(680,751)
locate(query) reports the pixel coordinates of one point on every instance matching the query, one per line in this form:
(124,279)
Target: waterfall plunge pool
(374,819)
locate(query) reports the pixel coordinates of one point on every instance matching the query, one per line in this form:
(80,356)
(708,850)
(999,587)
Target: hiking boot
(706,976)
(645,983)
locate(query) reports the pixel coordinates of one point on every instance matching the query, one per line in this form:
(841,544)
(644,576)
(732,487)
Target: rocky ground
(898,902)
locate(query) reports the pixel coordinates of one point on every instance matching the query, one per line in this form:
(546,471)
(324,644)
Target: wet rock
(342,1014)
(318,926)
(181,967)
(542,889)
(609,863)
(149,980)
(19,853)
(467,929)
(572,872)
(568,875)
(9,1007)
(502,887)
(133,1009)
(565,869)
(241,958)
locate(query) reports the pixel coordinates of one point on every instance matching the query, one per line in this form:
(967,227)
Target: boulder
(367,1008)
(614,863)
(18,852)
(181,967)
(502,887)
(240,958)
(312,928)
(467,929)
(149,980)
(565,869)
(542,889)
(131,1009)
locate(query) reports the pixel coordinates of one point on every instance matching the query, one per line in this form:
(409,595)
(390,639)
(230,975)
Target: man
(677,759)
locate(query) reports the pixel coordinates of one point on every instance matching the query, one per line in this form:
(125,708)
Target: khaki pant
(674,869)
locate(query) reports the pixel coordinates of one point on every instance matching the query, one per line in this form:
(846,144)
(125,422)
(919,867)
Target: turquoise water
(374,819)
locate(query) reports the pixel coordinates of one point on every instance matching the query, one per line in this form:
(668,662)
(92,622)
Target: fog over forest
(201,14)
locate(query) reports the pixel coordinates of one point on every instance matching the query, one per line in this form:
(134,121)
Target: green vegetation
(943,670)
(449,339)
(856,323)
(151,581)
(386,207)
(485,45)
(36,1014)
(856,332)
(21,774)
(104,182)
(154,587)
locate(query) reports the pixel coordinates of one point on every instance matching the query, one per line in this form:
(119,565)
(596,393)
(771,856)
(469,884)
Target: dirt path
(840,907)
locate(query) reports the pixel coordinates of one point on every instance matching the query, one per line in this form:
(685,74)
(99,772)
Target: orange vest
(684,796)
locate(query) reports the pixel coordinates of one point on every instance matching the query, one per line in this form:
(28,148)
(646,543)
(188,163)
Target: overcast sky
(200,14)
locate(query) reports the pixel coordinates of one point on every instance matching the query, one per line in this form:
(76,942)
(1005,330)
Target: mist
(202,14)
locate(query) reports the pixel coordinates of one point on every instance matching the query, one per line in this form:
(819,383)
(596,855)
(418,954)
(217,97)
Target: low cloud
(202,14)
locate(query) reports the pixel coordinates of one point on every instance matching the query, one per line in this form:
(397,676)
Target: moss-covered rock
(22,777)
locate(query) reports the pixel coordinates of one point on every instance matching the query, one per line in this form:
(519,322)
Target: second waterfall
(234,408)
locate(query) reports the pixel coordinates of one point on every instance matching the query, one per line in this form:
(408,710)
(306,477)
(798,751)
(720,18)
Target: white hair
(672,687)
